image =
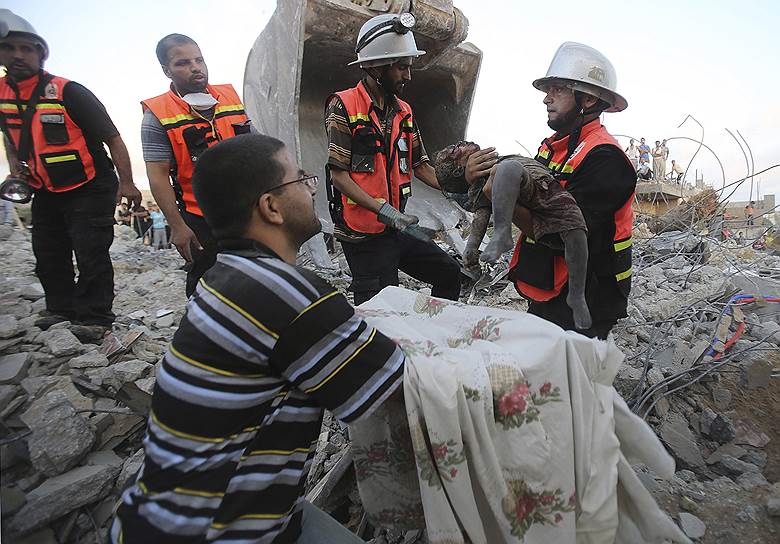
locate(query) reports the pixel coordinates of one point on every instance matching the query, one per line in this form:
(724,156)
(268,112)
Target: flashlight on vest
(15,188)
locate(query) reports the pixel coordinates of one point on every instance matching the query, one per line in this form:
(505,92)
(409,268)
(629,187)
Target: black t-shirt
(92,118)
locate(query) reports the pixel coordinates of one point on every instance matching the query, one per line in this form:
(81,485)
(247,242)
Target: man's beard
(563,120)
(389,87)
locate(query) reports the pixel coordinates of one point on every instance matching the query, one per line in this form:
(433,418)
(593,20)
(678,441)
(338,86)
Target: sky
(714,60)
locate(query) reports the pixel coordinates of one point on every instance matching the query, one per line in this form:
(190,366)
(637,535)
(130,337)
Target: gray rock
(7,394)
(756,373)
(130,468)
(13,368)
(722,430)
(747,514)
(8,326)
(750,480)
(727,449)
(116,375)
(721,397)
(165,321)
(146,384)
(706,418)
(680,440)
(692,526)
(747,432)
(755,457)
(32,291)
(93,359)
(61,342)
(103,457)
(11,500)
(773,507)
(44,536)
(731,466)
(61,495)
(60,437)
(59,388)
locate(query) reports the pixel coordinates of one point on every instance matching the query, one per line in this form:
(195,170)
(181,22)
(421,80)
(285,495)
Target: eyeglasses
(309,181)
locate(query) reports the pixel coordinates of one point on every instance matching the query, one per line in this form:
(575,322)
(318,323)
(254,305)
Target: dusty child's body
(554,212)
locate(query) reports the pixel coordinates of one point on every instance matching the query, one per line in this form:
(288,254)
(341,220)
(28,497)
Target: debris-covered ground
(72,408)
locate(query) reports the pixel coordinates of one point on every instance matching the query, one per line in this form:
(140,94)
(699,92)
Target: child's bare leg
(478,228)
(510,182)
(576,247)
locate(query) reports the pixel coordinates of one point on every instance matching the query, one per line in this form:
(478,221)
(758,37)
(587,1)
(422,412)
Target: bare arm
(521,216)
(121,158)
(427,174)
(181,235)
(346,186)
(10,154)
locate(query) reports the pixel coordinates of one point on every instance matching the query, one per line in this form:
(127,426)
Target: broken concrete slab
(756,373)
(750,480)
(165,321)
(92,359)
(60,437)
(130,468)
(9,327)
(63,387)
(103,457)
(61,495)
(727,449)
(678,437)
(13,368)
(7,393)
(32,291)
(146,384)
(747,432)
(721,397)
(61,342)
(731,466)
(692,526)
(11,500)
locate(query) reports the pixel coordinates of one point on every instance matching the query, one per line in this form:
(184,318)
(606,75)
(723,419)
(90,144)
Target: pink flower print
(545,389)
(511,403)
(377,454)
(573,499)
(521,389)
(453,472)
(525,506)
(558,518)
(547,499)
(440,452)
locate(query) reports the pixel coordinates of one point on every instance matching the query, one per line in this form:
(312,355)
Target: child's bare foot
(582,318)
(499,244)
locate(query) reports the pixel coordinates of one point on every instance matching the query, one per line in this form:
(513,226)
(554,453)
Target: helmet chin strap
(378,77)
(574,135)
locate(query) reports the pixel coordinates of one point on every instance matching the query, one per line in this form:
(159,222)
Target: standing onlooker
(159,232)
(123,215)
(665,149)
(749,211)
(56,133)
(633,154)
(140,221)
(644,151)
(659,162)
(677,172)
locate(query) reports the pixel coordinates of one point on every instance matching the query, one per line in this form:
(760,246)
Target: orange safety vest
(385,180)
(59,158)
(540,272)
(191,134)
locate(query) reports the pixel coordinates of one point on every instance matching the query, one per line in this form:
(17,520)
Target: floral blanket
(510,432)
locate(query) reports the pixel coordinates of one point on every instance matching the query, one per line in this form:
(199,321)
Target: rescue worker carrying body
(54,134)
(589,163)
(177,127)
(374,149)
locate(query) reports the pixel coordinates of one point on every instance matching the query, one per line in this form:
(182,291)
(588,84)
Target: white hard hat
(384,39)
(582,68)
(11,23)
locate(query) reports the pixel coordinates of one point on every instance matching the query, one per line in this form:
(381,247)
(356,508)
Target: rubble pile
(73,407)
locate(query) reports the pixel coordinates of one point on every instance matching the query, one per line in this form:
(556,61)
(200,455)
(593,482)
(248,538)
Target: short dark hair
(169,41)
(230,176)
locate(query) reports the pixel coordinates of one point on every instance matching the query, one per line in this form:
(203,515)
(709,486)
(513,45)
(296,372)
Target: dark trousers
(80,221)
(203,259)
(375,263)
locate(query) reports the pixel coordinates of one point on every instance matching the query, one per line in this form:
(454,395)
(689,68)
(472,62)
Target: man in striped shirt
(263,347)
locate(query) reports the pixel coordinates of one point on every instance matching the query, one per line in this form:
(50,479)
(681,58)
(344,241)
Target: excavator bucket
(301,58)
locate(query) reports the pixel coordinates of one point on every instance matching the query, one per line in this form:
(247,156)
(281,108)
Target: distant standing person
(178,126)
(659,162)
(665,149)
(644,151)
(749,211)
(159,232)
(140,221)
(633,154)
(677,172)
(123,215)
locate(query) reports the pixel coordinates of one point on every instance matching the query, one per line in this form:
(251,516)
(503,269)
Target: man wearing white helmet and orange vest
(374,150)
(55,131)
(588,162)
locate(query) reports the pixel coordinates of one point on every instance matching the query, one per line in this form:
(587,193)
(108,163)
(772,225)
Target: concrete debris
(9,327)
(756,373)
(13,368)
(747,432)
(60,342)
(692,526)
(92,359)
(678,437)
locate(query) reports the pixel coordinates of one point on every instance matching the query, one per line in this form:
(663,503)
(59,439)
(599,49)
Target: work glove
(393,218)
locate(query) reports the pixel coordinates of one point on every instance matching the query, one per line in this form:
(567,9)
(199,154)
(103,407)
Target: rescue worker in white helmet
(374,150)
(589,163)
(55,131)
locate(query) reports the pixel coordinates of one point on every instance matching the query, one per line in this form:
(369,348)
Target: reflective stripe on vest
(553,153)
(384,182)
(190,135)
(60,160)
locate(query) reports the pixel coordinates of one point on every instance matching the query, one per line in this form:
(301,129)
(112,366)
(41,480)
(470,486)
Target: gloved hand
(393,218)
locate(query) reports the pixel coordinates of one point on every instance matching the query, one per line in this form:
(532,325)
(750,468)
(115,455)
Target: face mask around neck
(200,101)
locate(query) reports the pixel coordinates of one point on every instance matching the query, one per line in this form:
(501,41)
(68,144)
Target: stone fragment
(706,418)
(750,480)
(732,466)
(60,437)
(93,359)
(118,374)
(7,393)
(747,432)
(721,429)
(165,321)
(726,449)
(680,440)
(8,326)
(59,386)
(756,373)
(130,468)
(44,536)
(721,397)
(773,507)
(138,314)
(62,342)
(11,500)
(747,514)
(688,504)
(755,457)
(61,495)
(13,368)
(103,457)
(32,291)
(692,526)
(146,384)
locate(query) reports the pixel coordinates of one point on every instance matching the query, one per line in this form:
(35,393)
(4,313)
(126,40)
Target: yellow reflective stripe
(274,452)
(406,190)
(221,372)
(345,363)
(358,116)
(620,246)
(407,123)
(197,438)
(60,158)
(197,493)
(177,118)
(314,304)
(236,107)
(544,153)
(41,106)
(623,275)
(568,169)
(529,240)
(238,308)
(216,525)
